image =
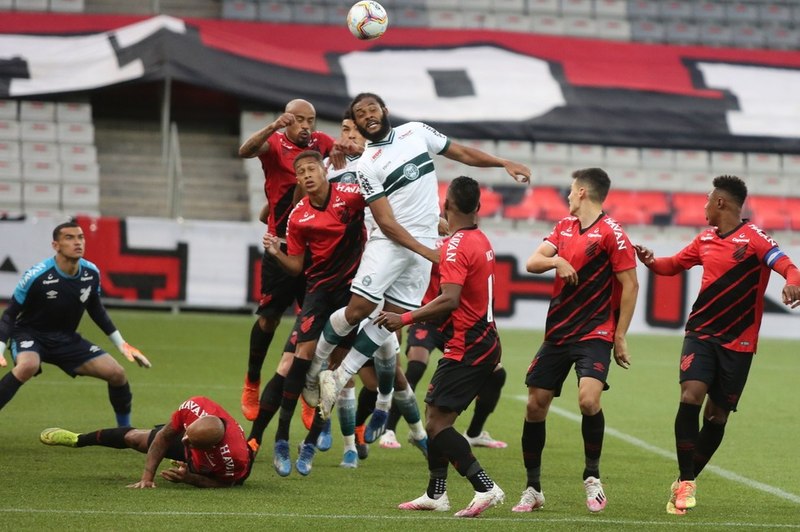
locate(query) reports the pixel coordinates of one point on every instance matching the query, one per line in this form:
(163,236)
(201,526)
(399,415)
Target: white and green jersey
(345,175)
(400,168)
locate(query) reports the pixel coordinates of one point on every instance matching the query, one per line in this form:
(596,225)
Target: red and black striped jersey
(279,175)
(589,309)
(467,259)
(736,271)
(334,234)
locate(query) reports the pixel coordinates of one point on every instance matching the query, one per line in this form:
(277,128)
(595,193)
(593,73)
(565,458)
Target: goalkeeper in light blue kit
(40,324)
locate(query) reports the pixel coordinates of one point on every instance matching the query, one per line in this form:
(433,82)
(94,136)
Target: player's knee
(268,324)
(25,370)
(116,376)
(589,406)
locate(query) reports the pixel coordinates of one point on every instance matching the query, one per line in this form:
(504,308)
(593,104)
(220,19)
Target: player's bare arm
(630,290)
(475,157)
(791,291)
(293,264)
(384,217)
(545,259)
(441,306)
(256,144)
(179,473)
(155,453)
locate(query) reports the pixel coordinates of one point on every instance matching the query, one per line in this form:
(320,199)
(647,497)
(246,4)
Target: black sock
(259,344)
(533,437)
(269,404)
(292,387)
(9,385)
(414,372)
(593,428)
(487,399)
(121,399)
(394,417)
(707,443)
(316,428)
(686,432)
(459,453)
(114,438)
(366,404)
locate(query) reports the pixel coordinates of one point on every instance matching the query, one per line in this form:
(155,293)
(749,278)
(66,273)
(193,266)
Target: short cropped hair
(308,154)
(596,181)
(59,227)
(733,185)
(465,193)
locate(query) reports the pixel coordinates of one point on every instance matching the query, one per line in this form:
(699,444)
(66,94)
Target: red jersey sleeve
(295,239)
(620,251)
(690,255)
(454,263)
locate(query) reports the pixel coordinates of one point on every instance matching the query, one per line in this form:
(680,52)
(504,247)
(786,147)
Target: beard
(386,126)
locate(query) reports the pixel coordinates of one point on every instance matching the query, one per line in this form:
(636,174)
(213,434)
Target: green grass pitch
(754,485)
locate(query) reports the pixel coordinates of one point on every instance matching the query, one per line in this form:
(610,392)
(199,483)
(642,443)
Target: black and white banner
(469,84)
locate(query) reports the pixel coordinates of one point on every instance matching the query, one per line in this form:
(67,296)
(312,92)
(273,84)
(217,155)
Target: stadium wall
(216,265)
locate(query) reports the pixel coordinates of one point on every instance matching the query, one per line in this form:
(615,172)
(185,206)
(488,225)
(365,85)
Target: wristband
(116,339)
(406,318)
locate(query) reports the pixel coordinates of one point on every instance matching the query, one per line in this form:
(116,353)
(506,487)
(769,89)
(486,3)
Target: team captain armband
(784,266)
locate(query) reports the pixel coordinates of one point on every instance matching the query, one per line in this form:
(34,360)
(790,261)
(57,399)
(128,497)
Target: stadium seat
(580,26)
(622,157)
(697,181)
(680,32)
(444,18)
(556,175)
(516,7)
(67,6)
(491,202)
(30,5)
(73,112)
(542,202)
(643,9)
(773,12)
(689,209)
(334,15)
(657,158)
(544,7)
(547,25)
(793,206)
(666,180)
(41,171)
(627,178)
(40,151)
(748,36)
(10,197)
(715,34)
(239,9)
(10,170)
(763,162)
(648,31)
(782,37)
(709,12)
(411,17)
(8,109)
(577,8)
(80,197)
(442,194)
(791,165)
(691,160)
(75,133)
(742,12)
(79,153)
(37,111)
(309,13)
(80,172)
(47,195)
(728,162)
(615,30)
(9,150)
(768,212)
(611,9)
(675,10)
(516,150)
(38,131)
(551,152)
(512,22)
(769,184)
(587,155)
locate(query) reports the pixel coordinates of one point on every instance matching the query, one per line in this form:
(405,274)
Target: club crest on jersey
(411,172)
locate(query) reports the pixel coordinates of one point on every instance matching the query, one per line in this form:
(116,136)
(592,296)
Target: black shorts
(723,370)
(425,335)
(454,384)
(68,352)
(551,365)
(279,290)
(317,308)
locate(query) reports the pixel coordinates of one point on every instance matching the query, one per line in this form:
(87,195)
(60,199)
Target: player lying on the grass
(472,350)
(43,316)
(206,446)
(722,329)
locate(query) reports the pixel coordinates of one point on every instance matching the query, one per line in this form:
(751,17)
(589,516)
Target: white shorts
(390,271)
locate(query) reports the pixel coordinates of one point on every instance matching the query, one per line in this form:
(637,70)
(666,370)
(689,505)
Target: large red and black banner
(468,83)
